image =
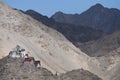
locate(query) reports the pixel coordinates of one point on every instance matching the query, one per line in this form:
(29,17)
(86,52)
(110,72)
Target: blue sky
(49,7)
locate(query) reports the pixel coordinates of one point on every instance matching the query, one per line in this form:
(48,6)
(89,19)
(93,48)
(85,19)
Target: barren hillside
(53,49)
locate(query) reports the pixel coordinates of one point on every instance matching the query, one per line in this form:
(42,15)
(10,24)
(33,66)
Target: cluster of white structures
(19,52)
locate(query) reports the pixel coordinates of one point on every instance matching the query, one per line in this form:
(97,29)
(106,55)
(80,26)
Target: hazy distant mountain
(72,32)
(97,17)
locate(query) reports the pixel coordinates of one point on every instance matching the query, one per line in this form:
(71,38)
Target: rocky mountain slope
(103,46)
(15,71)
(97,17)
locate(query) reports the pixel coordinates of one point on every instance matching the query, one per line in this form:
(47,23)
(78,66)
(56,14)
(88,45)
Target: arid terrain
(56,53)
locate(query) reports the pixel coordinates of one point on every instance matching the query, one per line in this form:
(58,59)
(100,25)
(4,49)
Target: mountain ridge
(97,17)
(71,32)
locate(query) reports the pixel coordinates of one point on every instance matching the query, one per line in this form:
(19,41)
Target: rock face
(97,17)
(12,69)
(71,32)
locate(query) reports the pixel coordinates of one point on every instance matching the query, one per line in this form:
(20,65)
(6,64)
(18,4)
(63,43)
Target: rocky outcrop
(12,69)
(79,74)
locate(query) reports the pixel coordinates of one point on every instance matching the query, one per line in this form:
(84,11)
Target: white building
(17,52)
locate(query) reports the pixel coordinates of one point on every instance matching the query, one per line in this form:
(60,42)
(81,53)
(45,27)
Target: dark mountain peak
(35,14)
(98,5)
(18,10)
(97,17)
(59,12)
(30,11)
(116,11)
(39,17)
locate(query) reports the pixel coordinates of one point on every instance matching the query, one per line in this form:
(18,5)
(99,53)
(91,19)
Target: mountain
(73,33)
(49,46)
(97,17)
(54,51)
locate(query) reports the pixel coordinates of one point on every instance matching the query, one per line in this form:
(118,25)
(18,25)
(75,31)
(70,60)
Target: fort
(27,61)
